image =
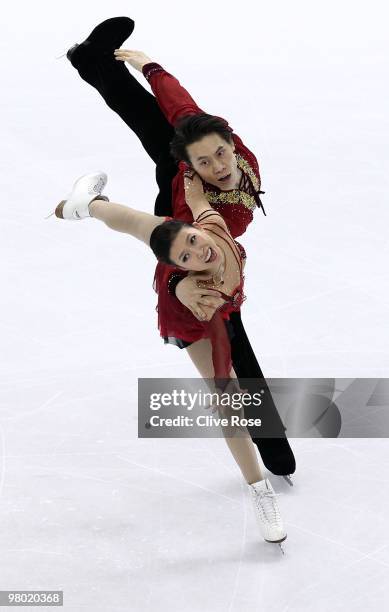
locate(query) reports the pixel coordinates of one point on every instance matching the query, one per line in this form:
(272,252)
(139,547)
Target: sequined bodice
(209,220)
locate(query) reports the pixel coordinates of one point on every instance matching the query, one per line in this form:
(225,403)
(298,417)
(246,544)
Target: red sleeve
(174,101)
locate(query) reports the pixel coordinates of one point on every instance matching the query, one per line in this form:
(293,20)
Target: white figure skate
(86,189)
(267,512)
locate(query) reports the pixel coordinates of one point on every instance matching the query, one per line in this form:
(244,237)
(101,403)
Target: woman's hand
(136,59)
(193,186)
(201,302)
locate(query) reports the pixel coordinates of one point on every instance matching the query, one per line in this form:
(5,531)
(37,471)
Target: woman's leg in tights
(242,448)
(140,111)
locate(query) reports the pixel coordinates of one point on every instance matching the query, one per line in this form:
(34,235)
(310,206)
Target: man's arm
(173,99)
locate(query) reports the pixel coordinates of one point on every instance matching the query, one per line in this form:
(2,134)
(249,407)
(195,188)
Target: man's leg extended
(275,452)
(96,64)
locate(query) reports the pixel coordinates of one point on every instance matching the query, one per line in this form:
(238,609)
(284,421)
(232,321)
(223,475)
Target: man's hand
(136,59)
(201,302)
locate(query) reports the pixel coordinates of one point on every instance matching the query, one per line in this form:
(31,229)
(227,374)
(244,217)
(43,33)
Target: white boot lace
(267,505)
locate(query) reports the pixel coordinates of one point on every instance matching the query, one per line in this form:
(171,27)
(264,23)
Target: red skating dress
(177,323)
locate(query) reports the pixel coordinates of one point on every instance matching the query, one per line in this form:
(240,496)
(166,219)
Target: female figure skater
(207,251)
(228,171)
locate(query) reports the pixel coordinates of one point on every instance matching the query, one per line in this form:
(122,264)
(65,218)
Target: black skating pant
(140,111)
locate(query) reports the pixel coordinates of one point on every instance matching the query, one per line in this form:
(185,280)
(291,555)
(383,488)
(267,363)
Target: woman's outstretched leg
(242,448)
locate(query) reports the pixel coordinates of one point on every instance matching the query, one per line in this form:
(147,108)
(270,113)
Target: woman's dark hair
(162,237)
(192,128)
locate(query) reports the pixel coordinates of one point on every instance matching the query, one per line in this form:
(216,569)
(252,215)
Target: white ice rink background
(125,524)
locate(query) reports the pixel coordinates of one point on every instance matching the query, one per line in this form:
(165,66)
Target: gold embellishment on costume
(231,197)
(210,282)
(245,166)
(236,196)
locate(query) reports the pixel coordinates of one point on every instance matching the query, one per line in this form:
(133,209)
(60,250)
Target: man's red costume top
(235,205)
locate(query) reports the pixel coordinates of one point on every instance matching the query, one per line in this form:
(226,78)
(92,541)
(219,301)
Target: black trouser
(275,452)
(140,111)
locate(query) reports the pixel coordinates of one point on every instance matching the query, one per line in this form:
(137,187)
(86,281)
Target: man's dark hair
(162,237)
(192,128)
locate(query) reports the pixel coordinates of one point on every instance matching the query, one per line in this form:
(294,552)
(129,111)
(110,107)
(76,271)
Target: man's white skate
(86,189)
(267,512)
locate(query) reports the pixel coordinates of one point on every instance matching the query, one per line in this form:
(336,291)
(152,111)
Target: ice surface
(125,524)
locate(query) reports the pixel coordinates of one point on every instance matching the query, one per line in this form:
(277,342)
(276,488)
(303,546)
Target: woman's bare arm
(124,219)
(195,198)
